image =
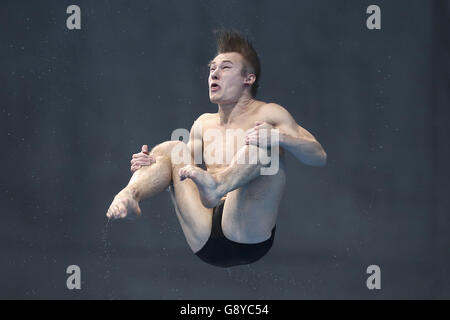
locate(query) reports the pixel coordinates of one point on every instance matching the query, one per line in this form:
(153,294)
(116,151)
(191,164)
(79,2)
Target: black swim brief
(222,252)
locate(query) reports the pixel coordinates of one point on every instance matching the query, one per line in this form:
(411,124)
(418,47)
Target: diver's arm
(294,138)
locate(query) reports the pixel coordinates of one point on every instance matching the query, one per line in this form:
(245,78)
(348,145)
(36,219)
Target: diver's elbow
(323,159)
(320,160)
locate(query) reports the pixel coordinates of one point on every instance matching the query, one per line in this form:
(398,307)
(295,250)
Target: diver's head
(236,69)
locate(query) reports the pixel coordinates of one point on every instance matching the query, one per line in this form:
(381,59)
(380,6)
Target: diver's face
(226,82)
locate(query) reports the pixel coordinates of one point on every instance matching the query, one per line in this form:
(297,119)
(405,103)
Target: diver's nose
(215,75)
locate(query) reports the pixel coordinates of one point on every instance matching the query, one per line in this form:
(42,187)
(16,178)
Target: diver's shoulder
(271,109)
(272,106)
(207,116)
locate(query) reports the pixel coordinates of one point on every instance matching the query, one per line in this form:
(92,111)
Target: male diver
(227,212)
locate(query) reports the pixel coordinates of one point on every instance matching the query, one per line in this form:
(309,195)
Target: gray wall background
(74,106)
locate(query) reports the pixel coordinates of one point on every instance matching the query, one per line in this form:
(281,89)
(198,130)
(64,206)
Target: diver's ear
(250,79)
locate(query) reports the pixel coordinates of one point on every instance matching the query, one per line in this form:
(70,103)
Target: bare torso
(250,212)
(230,144)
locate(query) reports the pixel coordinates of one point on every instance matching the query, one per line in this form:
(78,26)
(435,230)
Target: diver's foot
(207,185)
(123,205)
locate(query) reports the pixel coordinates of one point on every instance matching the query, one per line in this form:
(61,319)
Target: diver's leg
(252,199)
(194,218)
(244,167)
(250,212)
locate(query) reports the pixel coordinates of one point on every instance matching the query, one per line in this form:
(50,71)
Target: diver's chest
(220,145)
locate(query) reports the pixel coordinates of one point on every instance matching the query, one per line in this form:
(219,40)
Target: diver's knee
(165,148)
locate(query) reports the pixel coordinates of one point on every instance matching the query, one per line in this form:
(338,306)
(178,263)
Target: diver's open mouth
(215,87)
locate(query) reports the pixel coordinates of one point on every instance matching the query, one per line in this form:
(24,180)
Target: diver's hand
(259,134)
(142,158)
(123,205)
